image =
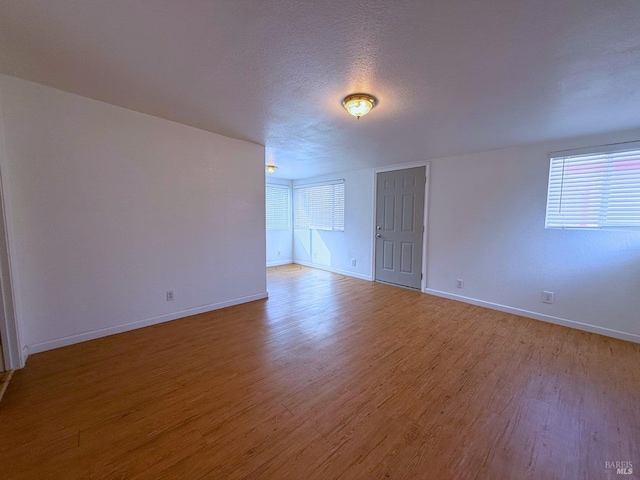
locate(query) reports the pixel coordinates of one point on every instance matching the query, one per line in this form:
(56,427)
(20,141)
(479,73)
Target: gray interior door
(399,226)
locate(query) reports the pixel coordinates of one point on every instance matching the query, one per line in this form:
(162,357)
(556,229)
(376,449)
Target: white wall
(108,209)
(335,250)
(280,242)
(486,226)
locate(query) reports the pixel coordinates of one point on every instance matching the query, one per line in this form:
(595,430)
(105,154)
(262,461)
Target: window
(595,190)
(319,207)
(277,207)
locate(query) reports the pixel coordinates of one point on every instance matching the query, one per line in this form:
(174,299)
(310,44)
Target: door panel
(387,255)
(406,257)
(389,212)
(399,217)
(408,204)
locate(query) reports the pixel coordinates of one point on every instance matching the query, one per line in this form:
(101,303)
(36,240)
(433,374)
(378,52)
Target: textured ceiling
(451,76)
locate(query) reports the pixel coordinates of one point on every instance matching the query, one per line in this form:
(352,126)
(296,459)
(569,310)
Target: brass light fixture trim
(270,167)
(359,104)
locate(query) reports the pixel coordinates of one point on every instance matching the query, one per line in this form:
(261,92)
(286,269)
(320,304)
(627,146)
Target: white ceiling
(451,76)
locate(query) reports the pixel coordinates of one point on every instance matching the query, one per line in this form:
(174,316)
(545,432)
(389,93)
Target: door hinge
(420,276)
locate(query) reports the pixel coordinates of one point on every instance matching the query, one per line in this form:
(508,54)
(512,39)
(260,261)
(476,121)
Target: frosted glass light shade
(270,168)
(359,104)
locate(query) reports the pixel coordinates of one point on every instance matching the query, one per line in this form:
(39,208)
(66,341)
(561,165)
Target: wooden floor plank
(330,378)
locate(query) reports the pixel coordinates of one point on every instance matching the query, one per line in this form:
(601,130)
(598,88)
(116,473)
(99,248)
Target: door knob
(378,235)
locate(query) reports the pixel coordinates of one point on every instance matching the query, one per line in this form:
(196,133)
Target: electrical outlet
(548,297)
(460,283)
(170,296)
(353,262)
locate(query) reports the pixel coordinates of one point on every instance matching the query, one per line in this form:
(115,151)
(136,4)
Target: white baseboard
(607,332)
(104,332)
(279,262)
(334,270)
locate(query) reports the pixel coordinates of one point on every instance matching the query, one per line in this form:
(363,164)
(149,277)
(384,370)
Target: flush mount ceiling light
(359,104)
(270,167)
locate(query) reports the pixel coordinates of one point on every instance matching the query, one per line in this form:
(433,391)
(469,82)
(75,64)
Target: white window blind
(277,207)
(319,207)
(598,190)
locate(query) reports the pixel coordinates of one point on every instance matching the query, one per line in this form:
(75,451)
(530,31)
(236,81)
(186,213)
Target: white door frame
(391,168)
(13,358)
(9,331)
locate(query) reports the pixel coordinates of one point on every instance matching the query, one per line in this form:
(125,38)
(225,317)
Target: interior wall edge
(334,270)
(565,322)
(14,355)
(125,327)
(280,263)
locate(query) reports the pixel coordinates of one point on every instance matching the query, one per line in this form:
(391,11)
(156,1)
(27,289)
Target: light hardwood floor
(331,377)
